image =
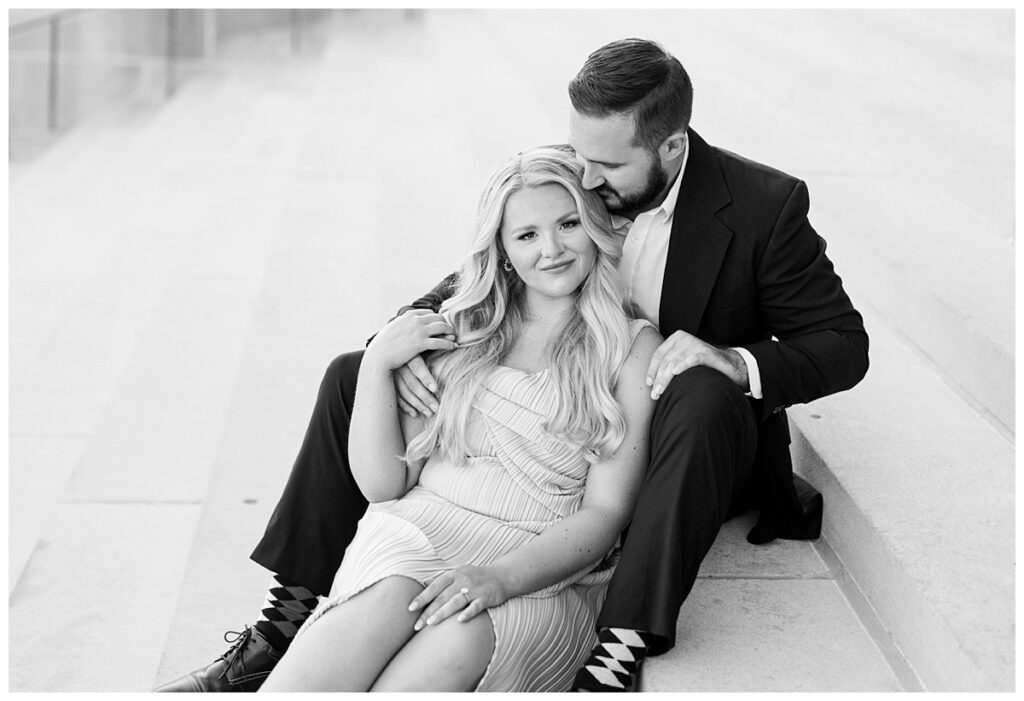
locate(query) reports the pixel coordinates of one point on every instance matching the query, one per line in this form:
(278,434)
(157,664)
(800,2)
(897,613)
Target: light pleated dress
(517,482)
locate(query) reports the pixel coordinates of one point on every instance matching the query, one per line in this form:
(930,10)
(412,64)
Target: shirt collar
(668,205)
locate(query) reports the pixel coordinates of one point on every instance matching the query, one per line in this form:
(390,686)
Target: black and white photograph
(453,349)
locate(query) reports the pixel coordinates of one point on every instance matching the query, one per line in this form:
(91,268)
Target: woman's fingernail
(433,388)
(418,625)
(433,407)
(430,621)
(413,606)
(650,381)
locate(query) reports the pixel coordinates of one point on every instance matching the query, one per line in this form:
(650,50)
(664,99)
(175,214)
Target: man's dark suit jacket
(745,268)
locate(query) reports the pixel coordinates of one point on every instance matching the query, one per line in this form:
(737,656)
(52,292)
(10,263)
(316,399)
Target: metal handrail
(55,19)
(52,20)
(43,20)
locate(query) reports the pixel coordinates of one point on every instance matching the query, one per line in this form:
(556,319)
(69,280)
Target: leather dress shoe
(244,667)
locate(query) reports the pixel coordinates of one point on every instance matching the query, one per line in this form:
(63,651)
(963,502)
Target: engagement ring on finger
(465,592)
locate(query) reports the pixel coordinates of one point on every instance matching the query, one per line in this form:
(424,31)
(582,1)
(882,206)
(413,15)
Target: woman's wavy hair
(487,312)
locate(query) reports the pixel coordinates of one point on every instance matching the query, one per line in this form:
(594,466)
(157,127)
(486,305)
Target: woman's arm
(580,539)
(376,439)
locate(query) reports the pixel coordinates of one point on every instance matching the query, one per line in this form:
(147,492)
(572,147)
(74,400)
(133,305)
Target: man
(720,256)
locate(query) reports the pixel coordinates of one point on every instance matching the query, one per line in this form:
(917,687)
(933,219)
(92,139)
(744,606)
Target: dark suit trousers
(703,439)
(703,436)
(317,514)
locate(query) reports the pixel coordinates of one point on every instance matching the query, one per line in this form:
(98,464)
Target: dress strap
(636,326)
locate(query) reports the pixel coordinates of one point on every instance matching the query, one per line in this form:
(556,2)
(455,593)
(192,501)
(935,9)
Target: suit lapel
(697,243)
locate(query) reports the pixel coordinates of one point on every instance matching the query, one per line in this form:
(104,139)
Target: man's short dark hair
(635,76)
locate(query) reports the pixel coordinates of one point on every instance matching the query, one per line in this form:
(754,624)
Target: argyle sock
(615,661)
(287,607)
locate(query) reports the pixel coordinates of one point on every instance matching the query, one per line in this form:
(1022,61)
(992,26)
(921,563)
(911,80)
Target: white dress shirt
(644,254)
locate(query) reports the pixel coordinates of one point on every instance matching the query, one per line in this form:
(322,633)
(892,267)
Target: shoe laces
(235,651)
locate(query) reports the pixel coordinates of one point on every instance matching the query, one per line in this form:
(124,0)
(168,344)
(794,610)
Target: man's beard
(640,201)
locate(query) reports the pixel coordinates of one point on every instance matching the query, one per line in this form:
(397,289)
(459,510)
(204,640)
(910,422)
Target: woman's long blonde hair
(487,313)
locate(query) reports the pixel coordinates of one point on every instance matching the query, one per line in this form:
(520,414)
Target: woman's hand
(466,589)
(408,335)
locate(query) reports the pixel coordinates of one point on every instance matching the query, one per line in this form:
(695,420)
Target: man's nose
(591,176)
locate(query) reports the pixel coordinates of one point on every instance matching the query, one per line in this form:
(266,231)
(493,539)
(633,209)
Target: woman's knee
(450,656)
(349,644)
(393,591)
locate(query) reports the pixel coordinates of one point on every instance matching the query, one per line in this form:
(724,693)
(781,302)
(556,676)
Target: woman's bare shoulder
(646,342)
(634,370)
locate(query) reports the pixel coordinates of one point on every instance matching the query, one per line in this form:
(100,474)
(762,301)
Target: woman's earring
(506,265)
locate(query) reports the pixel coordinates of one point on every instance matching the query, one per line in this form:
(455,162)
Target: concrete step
(919,495)
(769,618)
(89,274)
(118,476)
(918,216)
(61,237)
(55,245)
(956,312)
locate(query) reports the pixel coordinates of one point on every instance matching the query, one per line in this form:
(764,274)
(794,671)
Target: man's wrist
(738,368)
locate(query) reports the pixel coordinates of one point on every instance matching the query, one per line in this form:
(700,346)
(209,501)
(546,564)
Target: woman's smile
(559,267)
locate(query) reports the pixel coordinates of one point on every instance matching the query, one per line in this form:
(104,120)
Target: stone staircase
(181,277)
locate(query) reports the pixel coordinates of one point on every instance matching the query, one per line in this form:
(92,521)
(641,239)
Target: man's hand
(416,388)
(682,351)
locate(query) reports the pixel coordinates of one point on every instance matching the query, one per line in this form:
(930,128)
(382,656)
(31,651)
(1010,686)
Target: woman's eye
(527,235)
(570,223)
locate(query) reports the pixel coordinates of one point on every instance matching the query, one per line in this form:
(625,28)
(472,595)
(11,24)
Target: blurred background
(206,206)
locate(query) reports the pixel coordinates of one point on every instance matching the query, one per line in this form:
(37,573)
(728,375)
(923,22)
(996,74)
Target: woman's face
(545,241)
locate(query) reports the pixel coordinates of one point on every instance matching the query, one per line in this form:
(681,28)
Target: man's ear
(672,147)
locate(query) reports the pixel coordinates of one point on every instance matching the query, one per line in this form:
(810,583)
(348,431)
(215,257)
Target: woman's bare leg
(450,656)
(346,649)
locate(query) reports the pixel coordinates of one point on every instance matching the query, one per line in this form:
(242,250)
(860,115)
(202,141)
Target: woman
(508,501)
